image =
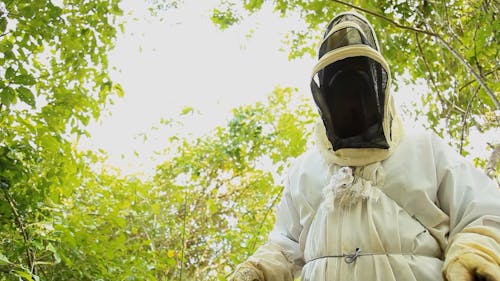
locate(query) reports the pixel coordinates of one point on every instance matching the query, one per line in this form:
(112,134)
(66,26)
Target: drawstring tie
(352,257)
(348,258)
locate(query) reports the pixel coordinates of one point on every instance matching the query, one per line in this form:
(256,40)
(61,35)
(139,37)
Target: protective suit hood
(351,85)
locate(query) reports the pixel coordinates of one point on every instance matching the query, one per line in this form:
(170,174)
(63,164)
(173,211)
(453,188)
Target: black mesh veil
(361,23)
(350,92)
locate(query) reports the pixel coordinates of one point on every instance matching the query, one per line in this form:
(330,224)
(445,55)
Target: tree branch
(478,65)
(427,67)
(24,233)
(448,26)
(493,161)
(183,239)
(6,33)
(464,119)
(439,38)
(434,85)
(269,209)
(391,21)
(474,80)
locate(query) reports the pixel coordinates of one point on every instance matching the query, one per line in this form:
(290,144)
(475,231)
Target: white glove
(268,263)
(471,267)
(247,272)
(474,254)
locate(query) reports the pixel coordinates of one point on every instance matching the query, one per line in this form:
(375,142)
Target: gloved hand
(472,267)
(247,272)
(268,263)
(473,254)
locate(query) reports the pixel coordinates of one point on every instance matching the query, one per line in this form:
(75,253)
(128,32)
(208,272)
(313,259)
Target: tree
(207,208)
(54,79)
(221,189)
(68,219)
(452,46)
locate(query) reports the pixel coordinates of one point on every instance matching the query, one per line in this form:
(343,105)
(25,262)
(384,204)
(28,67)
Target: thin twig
(448,26)
(478,65)
(464,119)
(22,229)
(427,67)
(474,80)
(6,33)
(275,200)
(391,21)
(493,161)
(183,235)
(439,38)
(431,77)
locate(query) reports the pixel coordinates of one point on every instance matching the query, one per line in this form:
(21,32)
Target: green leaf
(28,11)
(253,5)
(3,24)
(24,275)
(54,11)
(24,79)
(26,96)
(118,90)
(10,73)
(115,10)
(224,19)
(8,96)
(54,251)
(187,110)
(50,143)
(4,259)
(9,55)
(5,45)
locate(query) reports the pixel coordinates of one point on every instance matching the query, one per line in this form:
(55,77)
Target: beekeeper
(369,202)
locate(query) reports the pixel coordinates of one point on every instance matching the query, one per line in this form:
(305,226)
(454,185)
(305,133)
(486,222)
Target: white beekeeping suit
(370,202)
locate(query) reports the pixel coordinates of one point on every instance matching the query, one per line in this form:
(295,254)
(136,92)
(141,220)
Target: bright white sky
(183,60)
(179,59)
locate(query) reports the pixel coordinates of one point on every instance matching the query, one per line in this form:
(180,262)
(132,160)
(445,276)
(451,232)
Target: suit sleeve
(472,201)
